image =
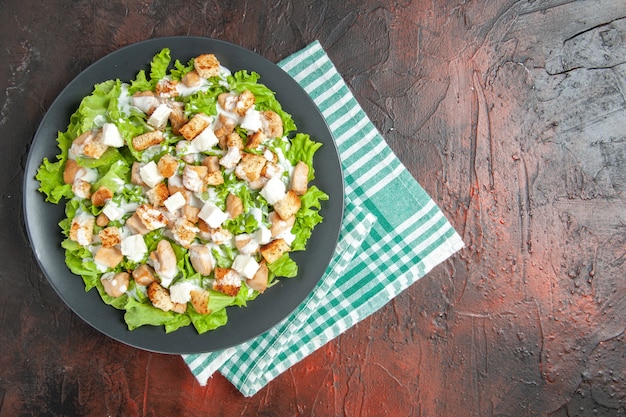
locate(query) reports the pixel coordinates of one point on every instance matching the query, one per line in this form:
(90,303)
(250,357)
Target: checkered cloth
(392,234)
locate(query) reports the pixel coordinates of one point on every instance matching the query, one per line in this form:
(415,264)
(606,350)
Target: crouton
(110,236)
(234,206)
(151,218)
(115,285)
(259,281)
(167,165)
(288,206)
(245,101)
(233,140)
(214,178)
(272,124)
(101,196)
(201,259)
(158,194)
(108,256)
(184,232)
(193,127)
(227,281)
(143,275)
(300,178)
(146,140)
(250,166)
(272,251)
(200,300)
(160,298)
(81,189)
(207,65)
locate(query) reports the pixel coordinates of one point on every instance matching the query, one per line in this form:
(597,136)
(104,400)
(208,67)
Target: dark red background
(511,114)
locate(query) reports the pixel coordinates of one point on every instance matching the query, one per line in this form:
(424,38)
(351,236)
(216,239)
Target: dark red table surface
(511,114)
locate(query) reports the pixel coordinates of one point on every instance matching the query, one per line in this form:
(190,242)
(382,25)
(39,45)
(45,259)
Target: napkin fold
(392,234)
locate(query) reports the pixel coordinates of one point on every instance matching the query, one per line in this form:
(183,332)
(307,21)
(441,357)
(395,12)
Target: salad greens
(185,191)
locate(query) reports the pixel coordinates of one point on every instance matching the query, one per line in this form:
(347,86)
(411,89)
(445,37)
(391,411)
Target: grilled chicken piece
(114,284)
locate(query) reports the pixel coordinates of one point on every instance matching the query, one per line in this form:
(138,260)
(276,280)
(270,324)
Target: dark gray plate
(243,323)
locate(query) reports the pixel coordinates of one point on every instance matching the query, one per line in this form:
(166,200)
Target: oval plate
(243,323)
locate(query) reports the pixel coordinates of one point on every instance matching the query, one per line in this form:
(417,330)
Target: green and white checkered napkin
(386,243)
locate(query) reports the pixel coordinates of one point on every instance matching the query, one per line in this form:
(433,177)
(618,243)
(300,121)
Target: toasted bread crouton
(145,101)
(272,124)
(207,65)
(167,165)
(177,116)
(108,256)
(200,300)
(194,178)
(193,127)
(250,166)
(214,178)
(160,298)
(70,170)
(151,218)
(272,251)
(288,206)
(166,88)
(201,259)
(227,281)
(233,140)
(101,196)
(234,206)
(158,194)
(244,102)
(259,281)
(115,285)
(110,236)
(81,189)
(191,79)
(184,232)
(146,140)
(300,178)
(279,225)
(143,275)
(255,139)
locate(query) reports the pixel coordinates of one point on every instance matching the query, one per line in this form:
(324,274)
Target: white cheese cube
(111,136)
(205,140)
(158,118)
(212,215)
(245,265)
(252,120)
(175,201)
(150,174)
(134,247)
(274,190)
(181,291)
(113,211)
(263,235)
